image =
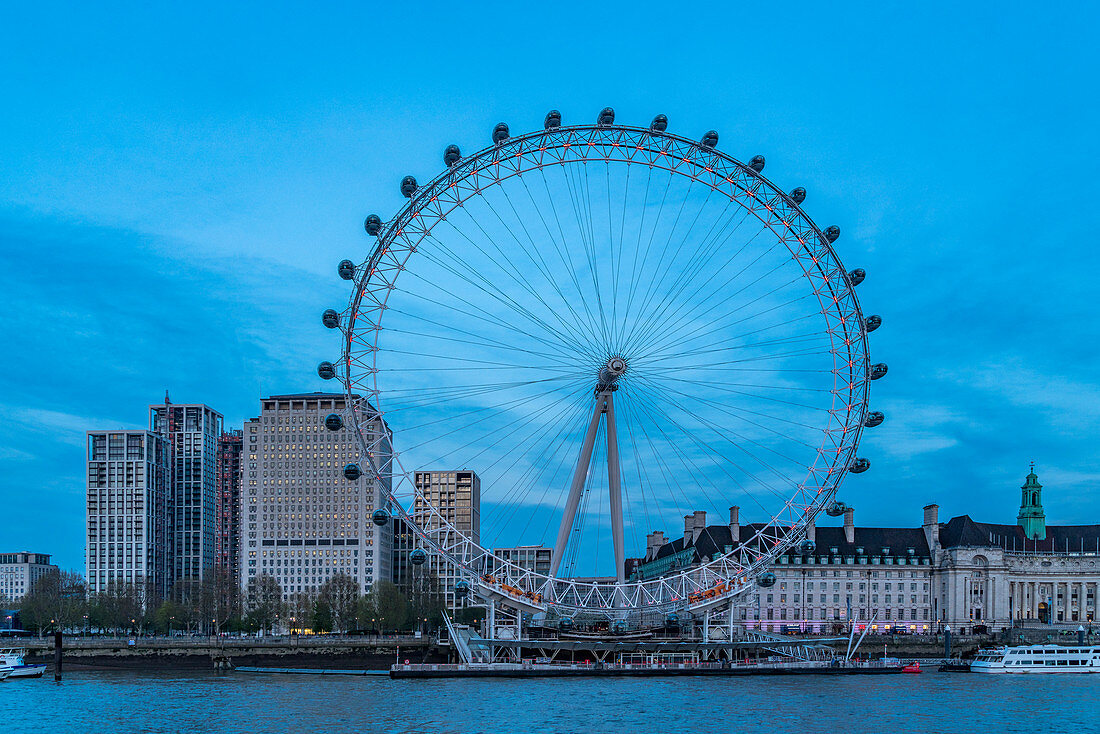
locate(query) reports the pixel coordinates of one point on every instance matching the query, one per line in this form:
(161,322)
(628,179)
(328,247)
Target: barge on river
(884,666)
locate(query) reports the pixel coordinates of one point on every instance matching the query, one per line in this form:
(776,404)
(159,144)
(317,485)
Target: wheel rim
(471,180)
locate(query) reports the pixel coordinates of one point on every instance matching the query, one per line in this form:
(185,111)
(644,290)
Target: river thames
(240,702)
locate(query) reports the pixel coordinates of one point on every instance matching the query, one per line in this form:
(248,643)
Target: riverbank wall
(156,653)
(147,653)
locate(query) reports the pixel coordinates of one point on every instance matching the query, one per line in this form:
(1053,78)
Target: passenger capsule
(832,233)
(500,133)
(766,580)
(330,318)
(553,120)
(461,588)
(807,546)
(408,187)
(334,422)
(565,623)
(878,370)
(836,509)
(871,323)
(659,124)
(710,139)
(757,163)
(798,195)
(326,370)
(380,517)
(672,620)
(874,418)
(858,466)
(346,269)
(606,117)
(418,557)
(352,472)
(618,627)
(857,276)
(373,225)
(451,155)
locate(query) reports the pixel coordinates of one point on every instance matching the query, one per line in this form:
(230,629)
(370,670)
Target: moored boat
(1038,659)
(13,661)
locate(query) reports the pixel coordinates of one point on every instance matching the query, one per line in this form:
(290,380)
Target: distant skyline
(179,185)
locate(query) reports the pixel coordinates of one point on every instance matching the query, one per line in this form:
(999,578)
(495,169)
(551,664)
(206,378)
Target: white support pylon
(604,405)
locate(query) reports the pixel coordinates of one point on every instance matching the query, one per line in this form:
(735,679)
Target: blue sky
(178,185)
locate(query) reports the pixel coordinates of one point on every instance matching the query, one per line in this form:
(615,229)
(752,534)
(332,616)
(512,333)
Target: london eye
(613,326)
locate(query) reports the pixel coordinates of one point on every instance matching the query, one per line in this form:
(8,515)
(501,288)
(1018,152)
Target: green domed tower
(1032,518)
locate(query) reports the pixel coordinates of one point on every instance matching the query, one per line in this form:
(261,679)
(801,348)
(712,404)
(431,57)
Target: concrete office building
(19,572)
(302,520)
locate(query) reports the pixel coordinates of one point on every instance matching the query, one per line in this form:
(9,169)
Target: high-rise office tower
(303,519)
(192,430)
(456,496)
(227,503)
(128,519)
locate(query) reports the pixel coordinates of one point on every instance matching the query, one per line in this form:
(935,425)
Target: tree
(58,600)
(221,598)
(322,615)
(265,602)
(191,604)
(470,615)
(119,607)
(426,599)
(341,594)
(167,616)
(386,605)
(300,611)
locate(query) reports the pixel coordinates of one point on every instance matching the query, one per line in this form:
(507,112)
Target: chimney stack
(735,525)
(931,526)
(698,524)
(689,529)
(849,525)
(653,543)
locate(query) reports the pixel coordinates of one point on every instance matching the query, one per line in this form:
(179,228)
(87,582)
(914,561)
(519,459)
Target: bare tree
(265,602)
(300,611)
(57,600)
(341,594)
(221,598)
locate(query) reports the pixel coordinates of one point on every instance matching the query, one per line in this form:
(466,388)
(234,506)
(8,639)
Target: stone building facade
(966,574)
(1029,573)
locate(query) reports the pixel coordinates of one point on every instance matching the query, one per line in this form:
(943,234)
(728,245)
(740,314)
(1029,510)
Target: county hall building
(964,574)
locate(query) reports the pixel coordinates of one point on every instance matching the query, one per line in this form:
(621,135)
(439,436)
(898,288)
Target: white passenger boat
(4,673)
(1038,659)
(12,661)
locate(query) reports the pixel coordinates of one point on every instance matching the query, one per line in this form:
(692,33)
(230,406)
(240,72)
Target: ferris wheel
(613,326)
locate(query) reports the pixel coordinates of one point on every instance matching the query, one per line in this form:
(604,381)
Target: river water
(242,702)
